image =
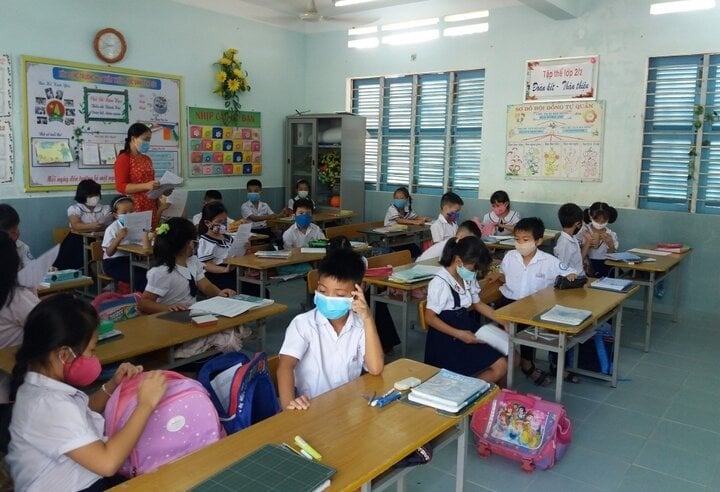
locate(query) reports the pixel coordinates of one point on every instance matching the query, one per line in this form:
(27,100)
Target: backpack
(241,389)
(524,428)
(115,307)
(184,421)
(597,353)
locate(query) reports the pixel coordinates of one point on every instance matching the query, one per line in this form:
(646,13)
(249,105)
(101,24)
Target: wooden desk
(359,441)
(414,234)
(150,333)
(603,304)
(319,218)
(76,283)
(648,274)
(263,265)
(549,237)
(140,257)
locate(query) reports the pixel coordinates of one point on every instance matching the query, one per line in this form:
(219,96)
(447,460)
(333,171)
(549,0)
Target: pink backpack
(184,421)
(524,428)
(116,307)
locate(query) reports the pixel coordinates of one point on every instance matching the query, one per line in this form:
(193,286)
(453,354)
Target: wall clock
(110,45)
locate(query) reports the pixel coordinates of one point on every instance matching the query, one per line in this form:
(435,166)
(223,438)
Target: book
(614,284)
(227,306)
(450,408)
(653,252)
(448,389)
(313,250)
(672,247)
(109,334)
(565,315)
(414,274)
(204,320)
(496,337)
(391,228)
(273,254)
(625,256)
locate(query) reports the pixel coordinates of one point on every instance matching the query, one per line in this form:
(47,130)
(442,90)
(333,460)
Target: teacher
(134,173)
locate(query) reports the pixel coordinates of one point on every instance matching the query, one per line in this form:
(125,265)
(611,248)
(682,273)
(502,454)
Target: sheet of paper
(107,154)
(136,224)
(177,202)
(168,181)
(655,252)
(90,154)
(51,151)
(240,240)
(32,275)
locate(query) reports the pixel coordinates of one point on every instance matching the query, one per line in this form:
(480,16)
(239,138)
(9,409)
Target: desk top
(661,264)
(549,236)
(359,441)
(408,231)
(318,217)
(76,283)
(92,234)
(146,334)
(137,249)
(598,301)
(257,263)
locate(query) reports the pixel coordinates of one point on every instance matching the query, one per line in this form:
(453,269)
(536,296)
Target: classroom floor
(657,431)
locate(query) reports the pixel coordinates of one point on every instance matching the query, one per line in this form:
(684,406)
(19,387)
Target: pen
(381,402)
(290,448)
(304,446)
(371,399)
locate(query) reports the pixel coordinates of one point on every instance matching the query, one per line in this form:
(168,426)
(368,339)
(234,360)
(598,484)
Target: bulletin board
(77,117)
(217,149)
(555,140)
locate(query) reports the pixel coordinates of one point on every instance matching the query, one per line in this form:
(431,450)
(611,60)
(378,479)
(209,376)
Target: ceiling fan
(311,14)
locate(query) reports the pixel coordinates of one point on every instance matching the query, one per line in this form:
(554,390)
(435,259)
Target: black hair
(87,188)
(451,198)
(301,181)
(532,225)
(470,249)
(500,196)
(570,214)
(136,130)
(471,227)
(406,192)
(118,200)
(168,244)
(61,320)
(338,242)
(213,195)
(303,202)
(342,265)
(253,182)
(9,267)
(9,217)
(209,212)
(600,209)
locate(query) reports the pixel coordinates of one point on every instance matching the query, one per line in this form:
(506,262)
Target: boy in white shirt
(467,228)
(256,211)
(303,230)
(567,248)
(446,224)
(210,196)
(329,345)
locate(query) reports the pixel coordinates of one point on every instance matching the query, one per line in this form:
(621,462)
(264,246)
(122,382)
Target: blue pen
(381,402)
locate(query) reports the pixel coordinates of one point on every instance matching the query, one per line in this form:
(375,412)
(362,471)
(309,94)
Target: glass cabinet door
(302,153)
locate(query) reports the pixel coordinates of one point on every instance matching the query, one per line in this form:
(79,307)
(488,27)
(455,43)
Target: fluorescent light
(345,3)
(411,24)
(680,6)
(478,14)
(363,43)
(411,37)
(359,31)
(469,29)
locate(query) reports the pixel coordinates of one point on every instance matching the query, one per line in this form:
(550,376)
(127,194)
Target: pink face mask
(82,371)
(500,209)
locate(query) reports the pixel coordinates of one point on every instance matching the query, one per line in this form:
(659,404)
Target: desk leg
(511,354)
(676,295)
(366,487)
(616,351)
(262,333)
(649,309)
(461,453)
(403,335)
(562,343)
(373,293)
(132,272)
(263,283)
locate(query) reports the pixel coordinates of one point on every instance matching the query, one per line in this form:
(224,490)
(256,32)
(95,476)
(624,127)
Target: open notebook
(229,306)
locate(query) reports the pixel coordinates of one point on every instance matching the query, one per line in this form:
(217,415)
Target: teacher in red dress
(134,173)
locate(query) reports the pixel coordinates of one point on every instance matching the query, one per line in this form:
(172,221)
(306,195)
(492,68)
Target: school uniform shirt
(293,237)
(197,217)
(567,250)
(215,250)
(291,202)
(23,251)
(100,213)
(600,252)
(440,298)
(511,218)
(51,418)
(110,234)
(248,208)
(12,320)
(393,214)
(174,287)
(522,281)
(326,359)
(433,252)
(442,229)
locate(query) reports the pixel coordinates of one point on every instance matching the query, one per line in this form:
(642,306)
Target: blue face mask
(465,274)
(400,203)
(121,219)
(144,147)
(453,217)
(332,307)
(303,220)
(253,196)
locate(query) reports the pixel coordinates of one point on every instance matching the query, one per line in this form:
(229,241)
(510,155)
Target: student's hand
(122,233)
(359,305)
(493,277)
(229,268)
(468,337)
(234,226)
(286,212)
(151,185)
(571,277)
(167,193)
(299,403)
(125,371)
(227,293)
(178,307)
(151,389)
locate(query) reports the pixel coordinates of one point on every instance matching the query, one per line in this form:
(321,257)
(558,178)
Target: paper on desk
(32,275)
(168,181)
(241,238)
(177,202)
(136,223)
(655,252)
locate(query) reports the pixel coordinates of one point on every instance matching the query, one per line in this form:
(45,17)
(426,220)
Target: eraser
(406,384)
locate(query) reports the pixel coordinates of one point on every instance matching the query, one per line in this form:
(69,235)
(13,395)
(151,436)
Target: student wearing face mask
(116,263)
(302,192)
(501,220)
(446,225)
(214,245)
(331,344)
(596,239)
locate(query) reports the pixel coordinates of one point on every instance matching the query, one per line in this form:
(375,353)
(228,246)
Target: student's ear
(538,242)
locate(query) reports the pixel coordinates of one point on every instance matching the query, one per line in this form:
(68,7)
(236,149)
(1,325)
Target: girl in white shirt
(596,239)
(116,263)
(501,219)
(57,440)
(214,245)
(302,191)
(401,212)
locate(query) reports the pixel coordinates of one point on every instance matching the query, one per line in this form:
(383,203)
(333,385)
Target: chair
(96,257)
(273,362)
(396,258)
(421,314)
(352,231)
(59,234)
(312,281)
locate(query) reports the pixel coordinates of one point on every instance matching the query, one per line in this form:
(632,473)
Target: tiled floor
(659,430)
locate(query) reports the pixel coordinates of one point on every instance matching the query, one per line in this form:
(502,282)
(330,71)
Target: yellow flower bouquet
(231,80)
(329,169)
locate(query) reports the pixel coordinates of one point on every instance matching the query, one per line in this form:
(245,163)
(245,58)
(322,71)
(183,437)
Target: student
(567,248)
(524,271)
(175,281)
(445,226)
(86,215)
(214,245)
(452,294)
(303,230)
(57,430)
(210,196)
(10,223)
(401,212)
(467,228)
(256,211)
(116,263)
(302,191)
(501,216)
(331,344)
(596,239)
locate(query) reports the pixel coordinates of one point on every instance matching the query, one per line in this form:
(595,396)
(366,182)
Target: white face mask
(92,201)
(598,225)
(303,193)
(525,249)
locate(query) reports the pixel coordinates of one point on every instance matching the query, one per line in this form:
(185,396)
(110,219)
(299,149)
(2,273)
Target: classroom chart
(77,117)
(217,147)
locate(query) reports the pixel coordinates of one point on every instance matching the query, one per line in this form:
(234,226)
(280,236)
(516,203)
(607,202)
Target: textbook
(623,256)
(614,284)
(565,315)
(228,306)
(273,254)
(448,391)
(672,247)
(496,337)
(414,274)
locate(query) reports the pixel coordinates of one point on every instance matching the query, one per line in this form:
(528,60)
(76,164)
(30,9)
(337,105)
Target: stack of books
(273,254)
(565,315)
(449,391)
(414,274)
(673,247)
(614,284)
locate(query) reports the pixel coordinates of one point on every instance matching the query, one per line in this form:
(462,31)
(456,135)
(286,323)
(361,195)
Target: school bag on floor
(241,389)
(184,421)
(524,428)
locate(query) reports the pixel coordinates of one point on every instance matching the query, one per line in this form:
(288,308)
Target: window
(681,141)
(425,131)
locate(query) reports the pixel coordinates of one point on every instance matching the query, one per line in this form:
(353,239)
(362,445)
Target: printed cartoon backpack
(240,388)
(184,421)
(524,428)
(115,307)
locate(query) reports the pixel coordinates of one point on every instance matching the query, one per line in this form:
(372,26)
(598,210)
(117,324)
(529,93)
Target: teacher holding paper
(134,173)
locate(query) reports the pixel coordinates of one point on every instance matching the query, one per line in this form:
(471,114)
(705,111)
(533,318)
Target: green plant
(702,116)
(329,170)
(231,80)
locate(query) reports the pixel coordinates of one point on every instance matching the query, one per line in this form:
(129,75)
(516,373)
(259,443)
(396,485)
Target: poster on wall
(217,149)
(5,86)
(77,117)
(555,141)
(6,152)
(561,79)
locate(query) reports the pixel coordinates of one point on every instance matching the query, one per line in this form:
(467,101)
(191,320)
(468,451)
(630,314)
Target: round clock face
(110,45)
